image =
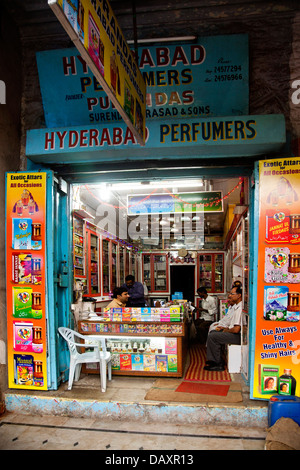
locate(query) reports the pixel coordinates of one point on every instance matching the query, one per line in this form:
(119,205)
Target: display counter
(141,348)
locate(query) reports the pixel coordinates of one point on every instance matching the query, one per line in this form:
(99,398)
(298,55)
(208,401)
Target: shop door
(59,278)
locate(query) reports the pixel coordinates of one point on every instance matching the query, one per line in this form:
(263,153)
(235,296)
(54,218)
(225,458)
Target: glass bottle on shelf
(113,265)
(218,273)
(94,269)
(206,271)
(147,271)
(105,265)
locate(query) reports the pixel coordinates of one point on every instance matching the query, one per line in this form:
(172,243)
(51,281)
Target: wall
(10,131)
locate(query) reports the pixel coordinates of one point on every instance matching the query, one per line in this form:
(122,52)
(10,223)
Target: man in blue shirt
(135,291)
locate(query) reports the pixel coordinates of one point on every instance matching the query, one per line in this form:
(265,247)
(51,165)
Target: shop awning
(221,137)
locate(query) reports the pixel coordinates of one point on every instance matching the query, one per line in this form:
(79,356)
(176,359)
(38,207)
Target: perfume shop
(207,201)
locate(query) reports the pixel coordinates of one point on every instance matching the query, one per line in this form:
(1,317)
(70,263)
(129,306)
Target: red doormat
(203,389)
(196,370)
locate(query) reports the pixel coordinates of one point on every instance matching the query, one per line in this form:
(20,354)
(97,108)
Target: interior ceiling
(91,196)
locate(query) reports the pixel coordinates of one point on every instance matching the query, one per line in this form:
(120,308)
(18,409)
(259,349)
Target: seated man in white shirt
(207,312)
(230,334)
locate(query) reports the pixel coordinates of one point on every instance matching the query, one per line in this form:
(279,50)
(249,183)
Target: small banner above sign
(95,32)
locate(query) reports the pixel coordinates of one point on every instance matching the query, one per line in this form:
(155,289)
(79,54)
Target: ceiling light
(189,183)
(104,192)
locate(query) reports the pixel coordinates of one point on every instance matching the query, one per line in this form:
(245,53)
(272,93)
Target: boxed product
(172,363)
(22,302)
(21,234)
(268,377)
(137,362)
(21,268)
(275,302)
(23,369)
(22,334)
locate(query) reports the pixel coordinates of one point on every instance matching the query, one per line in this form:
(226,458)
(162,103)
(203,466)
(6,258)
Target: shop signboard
(26,280)
(200,138)
(169,203)
(206,78)
(277,343)
(94,30)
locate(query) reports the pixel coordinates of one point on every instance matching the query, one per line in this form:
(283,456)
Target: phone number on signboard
(224,78)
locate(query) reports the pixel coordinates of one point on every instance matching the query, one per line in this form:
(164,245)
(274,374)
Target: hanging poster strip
(277,345)
(94,30)
(26,280)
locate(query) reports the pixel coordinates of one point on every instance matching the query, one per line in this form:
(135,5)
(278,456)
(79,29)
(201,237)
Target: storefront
(190,204)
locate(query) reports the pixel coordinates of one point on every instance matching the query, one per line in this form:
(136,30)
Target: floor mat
(165,390)
(203,388)
(196,372)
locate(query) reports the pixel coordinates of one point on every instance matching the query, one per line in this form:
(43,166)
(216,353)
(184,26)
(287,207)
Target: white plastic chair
(77,357)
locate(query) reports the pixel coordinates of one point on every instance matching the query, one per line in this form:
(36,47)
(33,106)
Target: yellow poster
(98,37)
(277,344)
(25,280)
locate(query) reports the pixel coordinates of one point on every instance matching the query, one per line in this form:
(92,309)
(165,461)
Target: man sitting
(120,298)
(225,335)
(207,312)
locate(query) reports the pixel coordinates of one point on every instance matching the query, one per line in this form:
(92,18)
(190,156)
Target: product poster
(25,280)
(99,39)
(277,344)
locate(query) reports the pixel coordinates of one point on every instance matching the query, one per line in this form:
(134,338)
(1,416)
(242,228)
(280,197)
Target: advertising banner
(26,280)
(206,78)
(94,30)
(277,344)
(205,201)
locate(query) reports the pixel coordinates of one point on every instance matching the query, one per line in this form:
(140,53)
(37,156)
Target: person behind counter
(120,298)
(225,335)
(135,291)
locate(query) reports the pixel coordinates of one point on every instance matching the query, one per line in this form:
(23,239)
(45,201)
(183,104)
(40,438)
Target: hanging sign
(205,78)
(26,280)
(277,344)
(206,201)
(94,30)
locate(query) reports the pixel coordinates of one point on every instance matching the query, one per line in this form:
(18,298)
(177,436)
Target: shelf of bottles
(94,267)
(219,272)
(160,272)
(155,272)
(211,272)
(113,265)
(78,242)
(105,266)
(122,258)
(205,272)
(147,271)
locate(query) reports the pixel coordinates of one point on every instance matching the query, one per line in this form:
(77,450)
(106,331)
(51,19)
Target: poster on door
(25,280)
(277,344)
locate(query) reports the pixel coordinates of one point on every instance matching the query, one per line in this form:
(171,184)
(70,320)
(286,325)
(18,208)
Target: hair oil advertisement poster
(25,280)
(277,344)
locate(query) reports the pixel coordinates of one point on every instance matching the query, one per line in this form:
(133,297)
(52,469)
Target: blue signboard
(195,138)
(202,79)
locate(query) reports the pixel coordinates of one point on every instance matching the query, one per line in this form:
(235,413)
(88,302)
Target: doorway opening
(183,280)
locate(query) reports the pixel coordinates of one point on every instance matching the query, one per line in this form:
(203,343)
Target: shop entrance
(183,280)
